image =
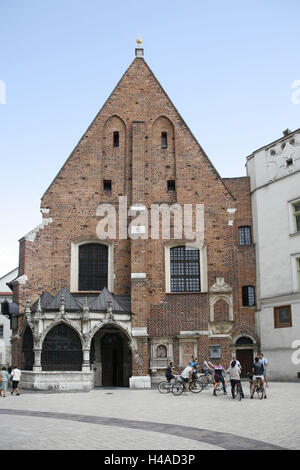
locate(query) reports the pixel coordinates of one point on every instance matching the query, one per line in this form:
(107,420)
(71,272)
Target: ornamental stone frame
(190,342)
(220,290)
(86,324)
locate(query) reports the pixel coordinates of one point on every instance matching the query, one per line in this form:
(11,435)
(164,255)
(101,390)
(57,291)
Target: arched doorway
(111,358)
(27,350)
(244,353)
(62,349)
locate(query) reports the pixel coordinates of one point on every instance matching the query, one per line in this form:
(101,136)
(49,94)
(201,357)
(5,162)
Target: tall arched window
(93,267)
(62,349)
(185,269)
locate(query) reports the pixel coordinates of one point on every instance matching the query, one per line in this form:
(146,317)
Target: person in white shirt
(186,376)
(15,375)
(234,372)
(236,362)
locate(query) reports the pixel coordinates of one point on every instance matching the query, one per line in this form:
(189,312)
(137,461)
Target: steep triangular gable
(129,75)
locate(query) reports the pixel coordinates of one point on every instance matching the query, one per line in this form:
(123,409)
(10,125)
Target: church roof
(96,303)
(99,304)
(70,302)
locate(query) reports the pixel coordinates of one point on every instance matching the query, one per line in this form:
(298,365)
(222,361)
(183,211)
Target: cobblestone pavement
(122,419)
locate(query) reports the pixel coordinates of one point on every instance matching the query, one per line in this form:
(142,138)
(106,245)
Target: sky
(229,67)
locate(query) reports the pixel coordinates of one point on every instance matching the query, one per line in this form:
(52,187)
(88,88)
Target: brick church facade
(115,311)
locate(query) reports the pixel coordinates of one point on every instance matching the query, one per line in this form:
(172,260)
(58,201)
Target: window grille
(93,267)
(62,349)
(245,235)
(185,269)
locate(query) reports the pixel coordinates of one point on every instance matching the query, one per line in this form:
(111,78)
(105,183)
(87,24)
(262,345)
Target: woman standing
(4,381)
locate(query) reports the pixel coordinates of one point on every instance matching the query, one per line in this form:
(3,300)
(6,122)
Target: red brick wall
(140,110)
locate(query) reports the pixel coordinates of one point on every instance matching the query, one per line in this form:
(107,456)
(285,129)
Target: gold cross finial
(139,41)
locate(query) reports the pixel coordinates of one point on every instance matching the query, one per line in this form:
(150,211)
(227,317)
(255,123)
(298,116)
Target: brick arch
(163,161)
(221,310)
(163,124)
(114,160)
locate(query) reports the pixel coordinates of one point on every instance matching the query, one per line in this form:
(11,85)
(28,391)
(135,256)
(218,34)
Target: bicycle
(218,388)
(165,386)
(195,386)
(259,387)
(206,380)
(239,392)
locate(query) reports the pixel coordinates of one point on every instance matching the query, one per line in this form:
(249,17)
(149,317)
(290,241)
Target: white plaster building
(274,172)
(5,331)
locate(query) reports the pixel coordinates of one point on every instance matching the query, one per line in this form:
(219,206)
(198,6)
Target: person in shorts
(265,363)
(15,375)
(186,376)
(258,373)
(4,381)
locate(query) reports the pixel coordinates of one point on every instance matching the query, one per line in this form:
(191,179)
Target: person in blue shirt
(4,381)
(194,363)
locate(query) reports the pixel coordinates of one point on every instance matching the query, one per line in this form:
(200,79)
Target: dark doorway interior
(112,360)
(27,350)
(245,356)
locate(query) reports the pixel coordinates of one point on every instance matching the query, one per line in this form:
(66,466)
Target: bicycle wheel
(260,393)
(178,388)
(196,386)
(204,382)
(164,387)
(219,388)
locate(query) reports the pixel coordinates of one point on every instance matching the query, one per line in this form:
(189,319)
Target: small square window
(289,162)
(282,317)
(215,352)
(245,235)
(107,185)
(171,185)
(1,331)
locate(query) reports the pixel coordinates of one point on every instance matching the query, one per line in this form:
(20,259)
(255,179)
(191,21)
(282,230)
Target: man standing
(265,363)
(258,373)
(16,375)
